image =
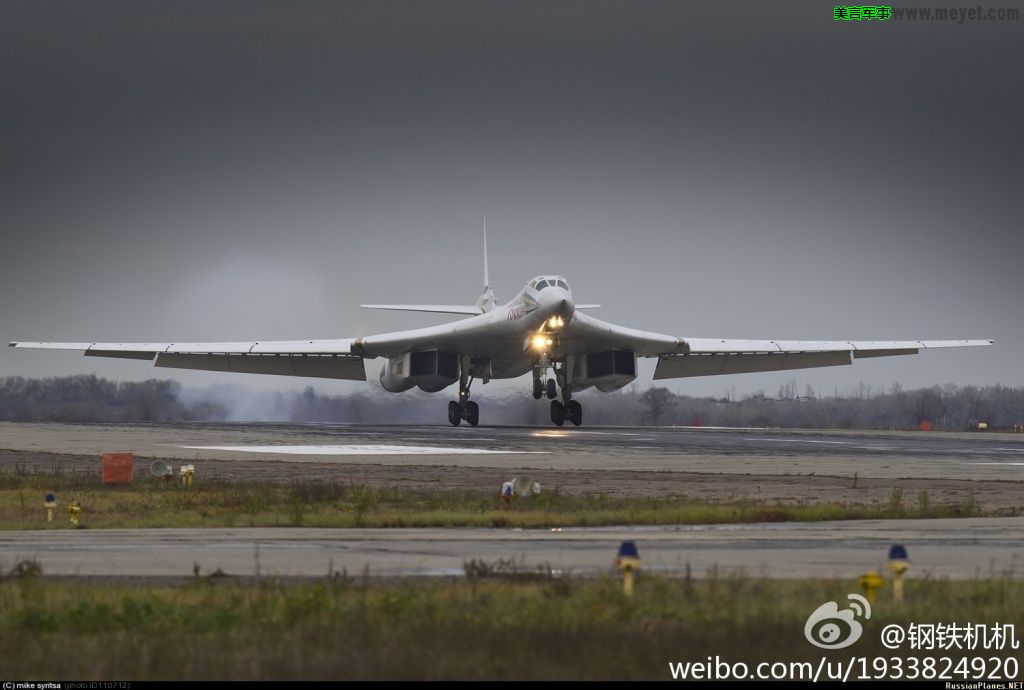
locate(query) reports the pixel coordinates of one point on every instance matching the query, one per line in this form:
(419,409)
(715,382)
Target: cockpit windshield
(542,283)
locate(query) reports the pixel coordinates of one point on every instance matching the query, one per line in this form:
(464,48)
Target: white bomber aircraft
(540,330)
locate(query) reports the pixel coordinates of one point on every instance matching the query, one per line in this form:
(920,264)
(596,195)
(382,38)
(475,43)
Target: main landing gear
(566,408)
(464,408)
(570,410)
(468,410)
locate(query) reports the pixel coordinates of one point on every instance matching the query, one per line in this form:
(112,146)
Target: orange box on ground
(118,468)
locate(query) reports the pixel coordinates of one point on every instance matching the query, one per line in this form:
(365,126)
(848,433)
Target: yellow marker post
(898,565)
(871,582)
(49,502)
(74,511)
(628,562)
(189,473)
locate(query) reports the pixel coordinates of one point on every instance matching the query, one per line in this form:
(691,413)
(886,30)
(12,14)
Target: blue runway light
(50,498)
(628,550)
(898,553)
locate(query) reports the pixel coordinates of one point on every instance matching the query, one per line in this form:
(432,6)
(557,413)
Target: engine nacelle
(431,370)
(608,370)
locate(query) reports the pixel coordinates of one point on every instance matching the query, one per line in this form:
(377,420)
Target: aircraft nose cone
(557,303)
(566,307)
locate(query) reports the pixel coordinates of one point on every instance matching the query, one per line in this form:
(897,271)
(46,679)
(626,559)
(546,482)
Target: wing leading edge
(343,358)
(317,358)
(682,357)
(710,357)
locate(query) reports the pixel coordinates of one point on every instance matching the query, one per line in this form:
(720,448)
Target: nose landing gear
(566,408)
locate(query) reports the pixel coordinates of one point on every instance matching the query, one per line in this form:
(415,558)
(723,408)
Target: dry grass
(335,504)
(487,626)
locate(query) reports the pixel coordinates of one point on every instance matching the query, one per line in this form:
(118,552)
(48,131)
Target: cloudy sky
(254,170)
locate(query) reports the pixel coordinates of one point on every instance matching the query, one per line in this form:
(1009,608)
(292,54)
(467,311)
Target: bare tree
(657,401)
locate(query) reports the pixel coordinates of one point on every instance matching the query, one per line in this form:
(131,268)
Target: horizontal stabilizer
(437,308)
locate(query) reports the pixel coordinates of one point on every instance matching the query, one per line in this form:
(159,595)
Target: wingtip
(12,344)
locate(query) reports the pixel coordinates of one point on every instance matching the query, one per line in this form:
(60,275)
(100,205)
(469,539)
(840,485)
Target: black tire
(472,413)
(538,389)
(552,390)
(557,413)
(454,413)
(574,412)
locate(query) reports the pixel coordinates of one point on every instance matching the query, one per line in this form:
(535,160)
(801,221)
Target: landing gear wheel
(538,389)
(454,413)
(552,391)
(574,412)
(557,413)
(472,413)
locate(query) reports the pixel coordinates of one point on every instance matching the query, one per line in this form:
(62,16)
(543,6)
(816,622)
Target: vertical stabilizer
(486,301)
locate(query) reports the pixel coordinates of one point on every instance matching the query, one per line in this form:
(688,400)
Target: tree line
(948,408)
(94,399)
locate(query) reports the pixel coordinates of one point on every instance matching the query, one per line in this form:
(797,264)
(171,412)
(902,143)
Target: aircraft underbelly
(510,368)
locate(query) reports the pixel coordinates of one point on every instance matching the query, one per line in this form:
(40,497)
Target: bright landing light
(542,342)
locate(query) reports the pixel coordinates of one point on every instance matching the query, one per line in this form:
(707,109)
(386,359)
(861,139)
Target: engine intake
(430,370)
(608,370)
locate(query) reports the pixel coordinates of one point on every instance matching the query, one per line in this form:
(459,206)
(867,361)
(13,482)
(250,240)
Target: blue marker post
(49,502)
(898,564)
(628,562)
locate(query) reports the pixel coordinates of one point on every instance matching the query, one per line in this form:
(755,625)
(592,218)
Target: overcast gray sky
(254,170)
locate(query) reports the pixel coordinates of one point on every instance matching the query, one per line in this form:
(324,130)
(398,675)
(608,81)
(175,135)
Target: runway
(976,456)
(957,548)
(759,465)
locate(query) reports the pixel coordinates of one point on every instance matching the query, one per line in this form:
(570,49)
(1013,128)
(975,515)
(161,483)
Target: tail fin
(484,304)
(487,280)
(486,300)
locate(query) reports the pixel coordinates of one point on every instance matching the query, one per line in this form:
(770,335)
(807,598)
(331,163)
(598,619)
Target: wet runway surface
(946,548)
(733,451)
(1003,447)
